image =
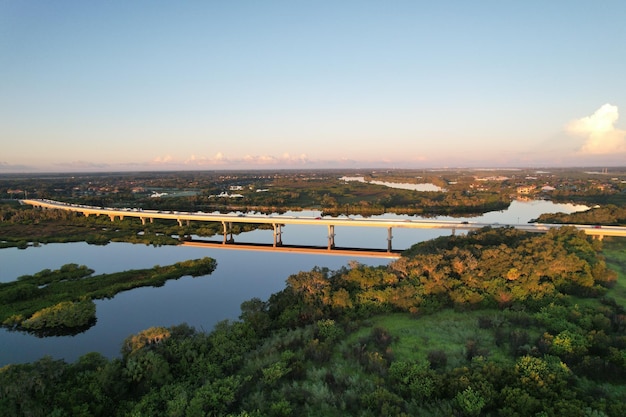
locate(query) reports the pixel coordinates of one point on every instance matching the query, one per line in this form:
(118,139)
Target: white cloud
(5,166)
(248,160)
(162,159)
(601,136)
(217,159)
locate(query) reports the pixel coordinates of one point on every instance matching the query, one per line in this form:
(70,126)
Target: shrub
(66,314)
(438,359)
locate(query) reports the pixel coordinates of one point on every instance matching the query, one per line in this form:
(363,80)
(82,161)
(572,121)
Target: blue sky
(134,85)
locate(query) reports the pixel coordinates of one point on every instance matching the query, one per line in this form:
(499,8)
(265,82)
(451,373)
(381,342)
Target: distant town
(334,191)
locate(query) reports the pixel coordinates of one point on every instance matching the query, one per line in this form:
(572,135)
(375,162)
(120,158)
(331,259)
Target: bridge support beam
(228,232)
(389,237)
(331,236)
(278,240)
(143,220)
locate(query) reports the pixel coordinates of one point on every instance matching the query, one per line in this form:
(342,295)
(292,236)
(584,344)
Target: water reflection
(398,185)
(201,302)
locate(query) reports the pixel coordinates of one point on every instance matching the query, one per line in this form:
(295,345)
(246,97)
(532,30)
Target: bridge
(278,221)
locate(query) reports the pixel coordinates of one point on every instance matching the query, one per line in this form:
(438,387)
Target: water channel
(203,301)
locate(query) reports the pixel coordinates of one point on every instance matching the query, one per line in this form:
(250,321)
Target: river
(202,301)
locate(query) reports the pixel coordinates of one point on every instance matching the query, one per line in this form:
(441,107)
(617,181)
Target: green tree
(470,402)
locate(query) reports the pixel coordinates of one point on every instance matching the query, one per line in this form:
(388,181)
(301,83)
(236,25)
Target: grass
(614,250)
(448,331)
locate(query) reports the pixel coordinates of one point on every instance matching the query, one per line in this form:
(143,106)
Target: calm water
(399,185)
(203,301)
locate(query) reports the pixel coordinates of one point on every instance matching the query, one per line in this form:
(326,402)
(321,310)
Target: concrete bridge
(278,221)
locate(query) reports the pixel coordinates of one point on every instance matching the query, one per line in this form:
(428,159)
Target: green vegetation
(488,324)
(64,315)
(23,226)
(60,301)
(495,323)
(608,215)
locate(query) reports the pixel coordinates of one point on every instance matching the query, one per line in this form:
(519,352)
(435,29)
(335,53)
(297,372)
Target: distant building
(526,189)
(224,194)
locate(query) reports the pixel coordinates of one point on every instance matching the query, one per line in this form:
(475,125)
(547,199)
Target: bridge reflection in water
(311,250)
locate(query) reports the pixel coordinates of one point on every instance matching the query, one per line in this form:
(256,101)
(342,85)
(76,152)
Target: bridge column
(228,232)
(278,241)
(331,236)
(180,222)
(389,237)
(112,217)
(143,220)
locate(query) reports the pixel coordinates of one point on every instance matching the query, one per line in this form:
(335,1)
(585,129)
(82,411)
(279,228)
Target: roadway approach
(278,221)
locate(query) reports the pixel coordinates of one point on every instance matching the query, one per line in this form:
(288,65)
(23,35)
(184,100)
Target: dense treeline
(607,215)
(60,301)
(493,268)
(537,337)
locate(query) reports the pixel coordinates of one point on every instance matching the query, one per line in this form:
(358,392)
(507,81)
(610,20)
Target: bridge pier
(228,232)
(143,220)
(389,237)
(278,241)
(331,236)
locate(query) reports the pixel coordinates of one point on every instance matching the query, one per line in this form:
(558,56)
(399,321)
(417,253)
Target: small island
(61,301)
